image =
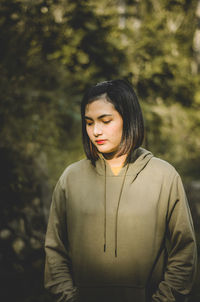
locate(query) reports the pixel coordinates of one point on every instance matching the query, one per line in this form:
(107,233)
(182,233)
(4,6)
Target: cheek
(88,130)
(117,131)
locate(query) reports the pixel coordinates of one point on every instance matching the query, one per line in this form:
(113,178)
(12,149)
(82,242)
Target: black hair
(121,94)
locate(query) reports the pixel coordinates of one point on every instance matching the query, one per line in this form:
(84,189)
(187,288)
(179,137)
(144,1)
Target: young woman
(120,228)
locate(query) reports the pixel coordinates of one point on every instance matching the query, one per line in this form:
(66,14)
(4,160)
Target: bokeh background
(50,52)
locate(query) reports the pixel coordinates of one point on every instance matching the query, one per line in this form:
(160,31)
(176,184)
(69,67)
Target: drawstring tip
(104,248)
(115,253)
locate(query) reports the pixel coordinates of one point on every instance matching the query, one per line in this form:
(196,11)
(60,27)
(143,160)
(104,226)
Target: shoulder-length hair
(121,94)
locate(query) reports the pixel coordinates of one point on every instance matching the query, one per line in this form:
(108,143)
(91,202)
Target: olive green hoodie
(125,237)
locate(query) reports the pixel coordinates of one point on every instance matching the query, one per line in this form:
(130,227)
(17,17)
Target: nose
(97,130)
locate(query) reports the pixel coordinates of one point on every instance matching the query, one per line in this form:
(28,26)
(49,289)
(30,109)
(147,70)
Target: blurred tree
(196,42)
(161,35)
(50,51)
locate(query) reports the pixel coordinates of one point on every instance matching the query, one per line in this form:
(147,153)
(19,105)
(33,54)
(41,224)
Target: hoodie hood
(139,159)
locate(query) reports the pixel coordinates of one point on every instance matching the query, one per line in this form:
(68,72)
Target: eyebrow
(99,117)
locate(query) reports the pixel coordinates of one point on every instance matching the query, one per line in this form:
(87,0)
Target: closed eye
(89,123)
(106,122)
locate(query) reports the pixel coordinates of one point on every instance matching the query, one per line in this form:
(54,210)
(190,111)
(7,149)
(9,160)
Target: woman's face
(104,126)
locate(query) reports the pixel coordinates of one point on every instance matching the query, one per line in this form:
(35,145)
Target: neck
(116,161)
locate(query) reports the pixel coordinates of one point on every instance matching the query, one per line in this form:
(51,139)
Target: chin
(104,149)
(101,150)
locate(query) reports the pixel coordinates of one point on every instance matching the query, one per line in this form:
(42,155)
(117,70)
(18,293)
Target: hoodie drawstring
(116,216)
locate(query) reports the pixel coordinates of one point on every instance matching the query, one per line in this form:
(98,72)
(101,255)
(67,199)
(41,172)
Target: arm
(182,257)
(58,278)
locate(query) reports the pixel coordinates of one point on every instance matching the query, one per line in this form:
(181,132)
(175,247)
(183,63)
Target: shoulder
(162,167)
(75,170)
(159,163)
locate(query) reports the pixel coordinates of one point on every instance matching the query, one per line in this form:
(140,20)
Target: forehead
(100,106)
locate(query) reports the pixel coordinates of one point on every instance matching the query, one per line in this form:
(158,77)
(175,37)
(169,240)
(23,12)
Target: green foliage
(162,53)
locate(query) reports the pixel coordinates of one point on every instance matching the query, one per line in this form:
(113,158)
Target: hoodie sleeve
(58,277)
(182,255)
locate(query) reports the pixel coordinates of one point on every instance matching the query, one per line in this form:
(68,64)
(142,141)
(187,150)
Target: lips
(100,141)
